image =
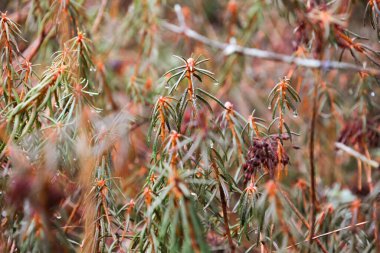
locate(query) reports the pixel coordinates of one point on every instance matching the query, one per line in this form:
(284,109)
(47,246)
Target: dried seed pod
(264,154)
(355,132)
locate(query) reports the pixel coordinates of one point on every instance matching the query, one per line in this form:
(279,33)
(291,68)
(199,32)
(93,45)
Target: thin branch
(357,155)
(376,7)
(341,229)
(99,17)
(20,15)
(181,18)
(300,216)
(312,162)
(107,88)
(329,233)
(31,51)
(230,48)
(224,209)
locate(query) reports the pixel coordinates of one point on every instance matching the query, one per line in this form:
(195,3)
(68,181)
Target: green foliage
(103,149)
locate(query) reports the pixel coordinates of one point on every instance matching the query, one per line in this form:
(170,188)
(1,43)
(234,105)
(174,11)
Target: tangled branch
(232,48)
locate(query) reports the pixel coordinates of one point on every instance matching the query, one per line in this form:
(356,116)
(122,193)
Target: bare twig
(21,15)
(99,17)
(341,229)
(376,7)
(300,216)
(107,88)
(331,232)
(230,48)
(224,209)
(311,160)
(357,155)
(33,48)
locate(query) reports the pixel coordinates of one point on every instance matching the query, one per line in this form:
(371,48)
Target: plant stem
(224,208)
(229,48)
(234,134)
(331,232)
(357,155)
(311,160)
(300,216)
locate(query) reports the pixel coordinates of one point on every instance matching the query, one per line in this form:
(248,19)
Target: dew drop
(295,114)
(269,107)
(372,94)
(167,86)
(74,159)
(58,216)
(93,69)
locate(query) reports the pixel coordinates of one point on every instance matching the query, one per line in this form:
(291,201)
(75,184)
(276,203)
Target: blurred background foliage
(260,134)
